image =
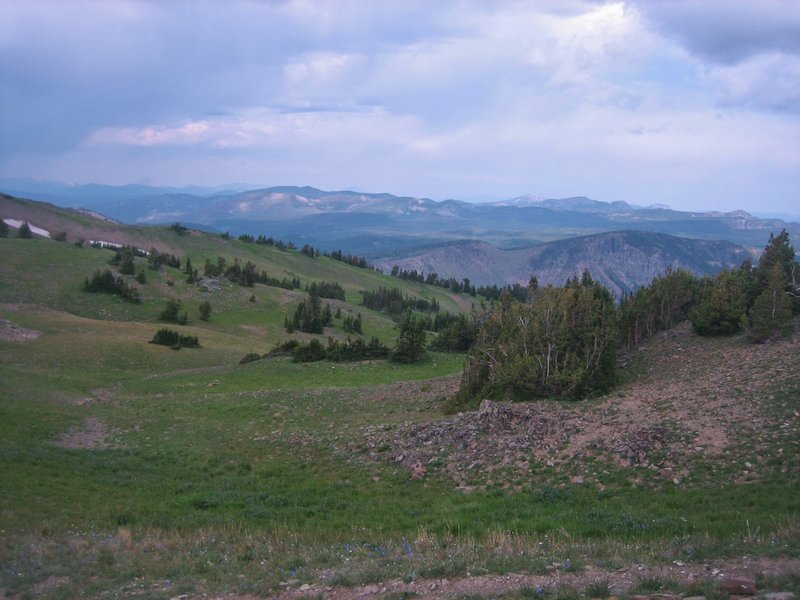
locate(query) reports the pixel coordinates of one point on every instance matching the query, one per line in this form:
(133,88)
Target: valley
(136,470)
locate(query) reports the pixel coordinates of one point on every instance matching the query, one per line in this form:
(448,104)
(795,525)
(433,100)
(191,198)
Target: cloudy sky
(692,103)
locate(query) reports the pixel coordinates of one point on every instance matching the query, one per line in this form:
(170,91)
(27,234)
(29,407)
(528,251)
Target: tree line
(562,342)
(394,302)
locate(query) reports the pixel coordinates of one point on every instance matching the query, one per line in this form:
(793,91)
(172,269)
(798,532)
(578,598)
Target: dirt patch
(92,434)
(49,585)
(15,333)
(690,402)
(620,581)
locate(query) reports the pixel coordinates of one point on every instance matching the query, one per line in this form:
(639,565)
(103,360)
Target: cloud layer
(696,104)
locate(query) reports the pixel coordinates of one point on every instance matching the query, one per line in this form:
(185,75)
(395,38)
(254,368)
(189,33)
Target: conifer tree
(205,310)
(771,312)
(778,252)
(24,231)
(410,341)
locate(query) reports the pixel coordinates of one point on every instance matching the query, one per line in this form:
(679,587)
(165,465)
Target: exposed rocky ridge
(693,409)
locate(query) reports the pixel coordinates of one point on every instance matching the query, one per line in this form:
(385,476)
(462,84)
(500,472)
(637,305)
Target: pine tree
(126,266)
(3,229)
(771,313)
(205,310)
(24,231)
(778,252)
(410,341)
(722,305)
(171,313)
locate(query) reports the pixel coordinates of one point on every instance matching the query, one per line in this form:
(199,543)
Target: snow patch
(17,224)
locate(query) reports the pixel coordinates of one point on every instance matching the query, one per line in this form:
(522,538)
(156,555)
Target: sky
(690,103)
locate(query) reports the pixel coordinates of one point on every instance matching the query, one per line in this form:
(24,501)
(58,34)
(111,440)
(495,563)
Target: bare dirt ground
(692,407)
(14,333)
(726,574)
(92,434)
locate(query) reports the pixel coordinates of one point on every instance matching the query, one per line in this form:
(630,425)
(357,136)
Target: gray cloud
(728,31)
(432,98)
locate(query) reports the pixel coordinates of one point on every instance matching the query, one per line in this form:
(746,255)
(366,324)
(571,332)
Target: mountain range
(621,260)
(499,242)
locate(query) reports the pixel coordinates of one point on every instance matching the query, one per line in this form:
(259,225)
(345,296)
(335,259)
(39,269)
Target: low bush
(168,337)
(250,357)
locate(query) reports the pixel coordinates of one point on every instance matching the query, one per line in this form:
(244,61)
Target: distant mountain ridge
(490,242)
(378,224)
(622,261)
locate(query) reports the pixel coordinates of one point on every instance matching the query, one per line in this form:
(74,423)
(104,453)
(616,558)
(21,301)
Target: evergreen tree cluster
(309,251)
(328,289)
(309,316)
(337,255)
(123,259)
(463,287)
(351,324)
(393,302)
(246,275)
(349,350)
(516,290)
(172,313)
(107,282)
(659,306)
(349,259)
(265,241)
(760,300)
(3,229)
(355,349)
(561,344)
(156,260)
(168,337)
(190,271)
(457,333)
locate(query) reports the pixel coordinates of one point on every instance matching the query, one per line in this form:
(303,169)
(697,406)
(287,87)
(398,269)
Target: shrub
(562,344)
(355,349)
(167,337)
(250,357)
(329,289)
(108,283)
(172,314)
(285,348)
(311,352)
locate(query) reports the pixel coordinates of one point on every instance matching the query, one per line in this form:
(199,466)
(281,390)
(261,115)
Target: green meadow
(127,467)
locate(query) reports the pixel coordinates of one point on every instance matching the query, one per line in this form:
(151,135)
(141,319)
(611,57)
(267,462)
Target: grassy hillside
(133,469)
(47,273)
